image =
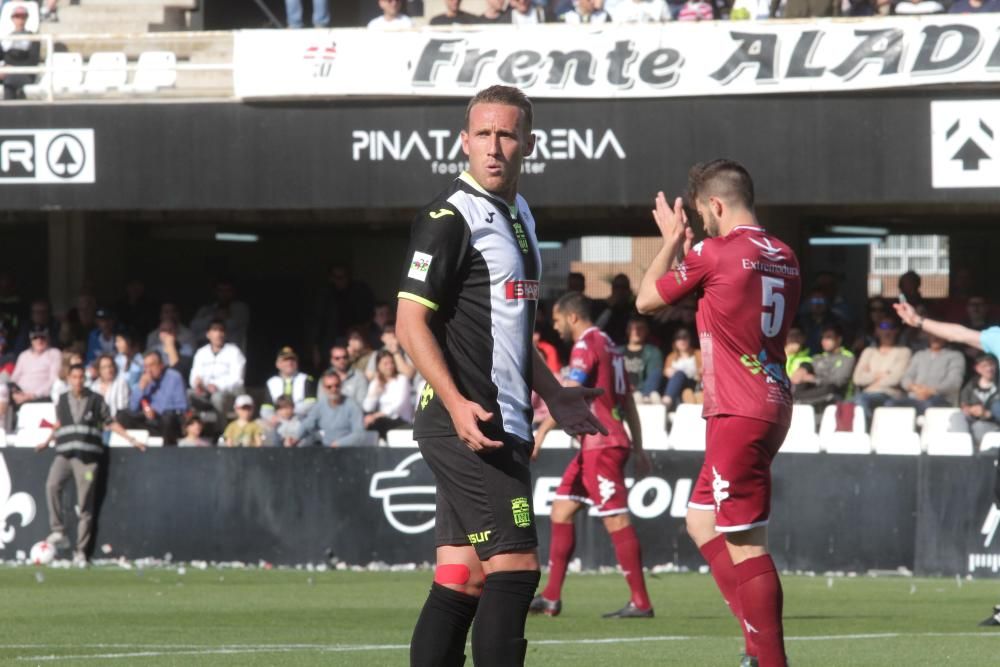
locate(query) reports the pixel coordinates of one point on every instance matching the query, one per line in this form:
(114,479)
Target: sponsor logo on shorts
(426,396)
(719,486)
(481,537)
(517,290)
(773,372)
(521,509)
(606,487)
(420,265)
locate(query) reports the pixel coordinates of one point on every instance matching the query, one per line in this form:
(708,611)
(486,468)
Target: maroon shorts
(735,480)
(597,477)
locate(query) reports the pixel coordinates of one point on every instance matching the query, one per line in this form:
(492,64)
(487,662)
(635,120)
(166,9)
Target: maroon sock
(761,600)
(716,554)
(629,556)
(560,551)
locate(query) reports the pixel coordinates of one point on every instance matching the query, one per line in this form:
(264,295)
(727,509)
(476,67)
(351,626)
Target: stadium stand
(802,437)
(893,431)
(855,441)
(687,431)
(937,440)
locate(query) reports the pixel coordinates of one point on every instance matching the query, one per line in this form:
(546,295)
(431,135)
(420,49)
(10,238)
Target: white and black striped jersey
(474,260)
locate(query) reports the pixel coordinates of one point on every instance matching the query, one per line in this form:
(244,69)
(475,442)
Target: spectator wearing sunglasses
(335,421)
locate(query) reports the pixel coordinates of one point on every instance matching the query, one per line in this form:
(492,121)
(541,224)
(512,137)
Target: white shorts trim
(737,529)
(699,506)
(579,499)
(623,510)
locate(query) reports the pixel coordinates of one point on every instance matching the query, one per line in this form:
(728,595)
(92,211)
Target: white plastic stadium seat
(66,72)
(31,437)
(119,441)
(937,440)
(990,441)
(893,431)
(154,70)
(557,439)
(687,432)
(802,437)
(106,70)
(31,415)
(154,441)
(7,25)
(400,438)
(653,422)
(832,441)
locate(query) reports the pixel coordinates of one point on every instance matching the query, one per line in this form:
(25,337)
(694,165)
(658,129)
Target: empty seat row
(106,72)
(893,432)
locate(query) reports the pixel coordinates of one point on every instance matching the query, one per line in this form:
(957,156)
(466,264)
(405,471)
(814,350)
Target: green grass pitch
(162,616)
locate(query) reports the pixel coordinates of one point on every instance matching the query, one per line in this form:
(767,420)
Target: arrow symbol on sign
(65,159)
(970,154)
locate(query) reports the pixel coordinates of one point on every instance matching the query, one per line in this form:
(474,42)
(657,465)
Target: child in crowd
(192,433)
(244,431)
(286,428)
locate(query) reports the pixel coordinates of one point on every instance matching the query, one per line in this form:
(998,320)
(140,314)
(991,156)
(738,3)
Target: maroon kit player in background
(596,476)
(749,285)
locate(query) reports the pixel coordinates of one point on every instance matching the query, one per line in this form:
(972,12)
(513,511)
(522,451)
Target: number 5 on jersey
(770,320)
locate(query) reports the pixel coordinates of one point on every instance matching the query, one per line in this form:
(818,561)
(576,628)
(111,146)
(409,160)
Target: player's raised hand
(907,313)
(571,409)
(672,222)
(466,417)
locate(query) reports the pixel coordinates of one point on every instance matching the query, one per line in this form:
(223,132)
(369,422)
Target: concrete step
(202,47)
(127,5)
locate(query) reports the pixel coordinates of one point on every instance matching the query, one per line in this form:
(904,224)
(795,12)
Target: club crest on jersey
(419,266)
(526,290)
(767,249)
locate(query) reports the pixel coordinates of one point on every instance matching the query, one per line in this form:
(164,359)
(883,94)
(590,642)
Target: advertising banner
(622,61)
(830,513)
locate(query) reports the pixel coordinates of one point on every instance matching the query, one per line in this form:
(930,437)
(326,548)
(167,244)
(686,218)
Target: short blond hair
(508,95)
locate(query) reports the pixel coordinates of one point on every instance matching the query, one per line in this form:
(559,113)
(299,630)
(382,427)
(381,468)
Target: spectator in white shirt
(110,384)
(389,403)
(640,11)
(585,11)
(217,372)
(392,17)
(523,12)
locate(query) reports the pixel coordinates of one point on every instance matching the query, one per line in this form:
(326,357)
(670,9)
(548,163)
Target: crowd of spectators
(186,382)
(529,12)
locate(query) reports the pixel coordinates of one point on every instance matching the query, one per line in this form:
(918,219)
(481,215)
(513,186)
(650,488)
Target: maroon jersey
(750,287)
(595,362)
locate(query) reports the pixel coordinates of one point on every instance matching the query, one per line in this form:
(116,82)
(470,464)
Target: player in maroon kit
(596,476)
(749,285)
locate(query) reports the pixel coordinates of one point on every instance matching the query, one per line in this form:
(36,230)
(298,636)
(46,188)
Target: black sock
(439,637)
(498,632)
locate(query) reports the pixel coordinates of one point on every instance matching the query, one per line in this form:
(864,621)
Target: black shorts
(483,500)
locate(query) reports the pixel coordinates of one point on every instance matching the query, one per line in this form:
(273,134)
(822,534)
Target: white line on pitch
(346,648)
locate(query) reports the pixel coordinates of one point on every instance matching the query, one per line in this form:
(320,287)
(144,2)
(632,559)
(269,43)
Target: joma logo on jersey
(527,290)
(481,537)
